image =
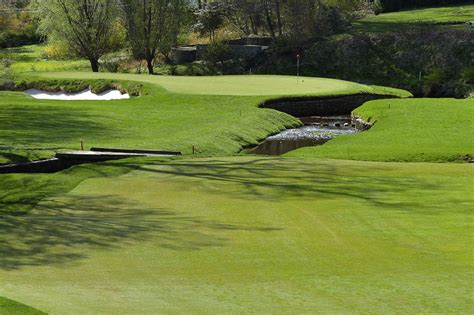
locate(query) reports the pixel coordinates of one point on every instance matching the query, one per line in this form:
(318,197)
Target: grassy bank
(9,307)
(437,130)
(159,120)
(420,19)
(248,235)
(162,118)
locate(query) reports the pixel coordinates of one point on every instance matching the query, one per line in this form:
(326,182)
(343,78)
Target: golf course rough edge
(406,130)
(9,307)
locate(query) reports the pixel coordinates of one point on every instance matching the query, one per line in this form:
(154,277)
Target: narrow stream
(316,131)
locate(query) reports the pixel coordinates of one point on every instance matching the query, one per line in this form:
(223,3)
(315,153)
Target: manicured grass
(240,85)
(9,307)
(437,130)
(159,119)
(260,235)
(405,20)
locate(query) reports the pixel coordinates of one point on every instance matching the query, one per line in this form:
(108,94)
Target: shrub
(7,75)
(56,50)
(467,75)
(217,52)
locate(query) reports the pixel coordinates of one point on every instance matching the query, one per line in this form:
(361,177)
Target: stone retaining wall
(321,106)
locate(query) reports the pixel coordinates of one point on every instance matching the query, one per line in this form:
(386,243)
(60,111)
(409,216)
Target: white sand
(85,95)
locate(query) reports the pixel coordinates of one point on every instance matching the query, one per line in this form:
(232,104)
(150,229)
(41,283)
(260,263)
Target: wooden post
(194,150)
(297,69)
(82,145)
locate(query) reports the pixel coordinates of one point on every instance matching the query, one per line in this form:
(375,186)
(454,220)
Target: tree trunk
(94,65)
(278,14)
(149,64)
(268,15)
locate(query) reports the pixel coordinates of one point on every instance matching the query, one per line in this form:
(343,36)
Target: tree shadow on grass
(62,230)
(43,126)
(274,179)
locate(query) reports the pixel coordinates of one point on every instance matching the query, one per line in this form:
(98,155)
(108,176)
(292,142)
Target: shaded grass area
(421,19)
(158,120)
(248,234)
(436,130)
(9,307)
(19,193)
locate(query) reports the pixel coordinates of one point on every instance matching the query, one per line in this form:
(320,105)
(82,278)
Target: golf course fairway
(247,234)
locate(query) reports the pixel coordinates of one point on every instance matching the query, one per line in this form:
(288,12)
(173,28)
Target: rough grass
(30,59)
(259,235)
(9,307)
(413,19)
(437,130)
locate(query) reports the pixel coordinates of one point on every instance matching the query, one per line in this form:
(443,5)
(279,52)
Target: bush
(7,75)
(467,75)
(16,39)
(217,52)
(56,50)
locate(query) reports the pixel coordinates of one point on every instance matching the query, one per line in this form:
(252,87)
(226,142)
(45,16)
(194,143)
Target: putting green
(271,85)
(249,235)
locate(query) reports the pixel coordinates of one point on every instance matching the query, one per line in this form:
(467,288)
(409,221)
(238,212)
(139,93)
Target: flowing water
(316,131)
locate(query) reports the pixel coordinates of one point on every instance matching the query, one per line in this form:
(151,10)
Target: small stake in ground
(297,69)
(82,145)
(194,150)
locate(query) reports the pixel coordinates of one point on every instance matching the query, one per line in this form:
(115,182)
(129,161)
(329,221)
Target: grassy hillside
(412,19)
(216,124)
(248,235)
(437,130)
(160,120)
(9,307)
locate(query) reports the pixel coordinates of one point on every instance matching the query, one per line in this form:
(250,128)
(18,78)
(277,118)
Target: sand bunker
(85,95)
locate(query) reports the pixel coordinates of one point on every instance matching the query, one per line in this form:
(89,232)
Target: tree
(210,18)
(85,25)
(153,26)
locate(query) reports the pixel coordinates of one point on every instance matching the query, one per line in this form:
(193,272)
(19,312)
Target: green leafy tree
(153,26)
(85,25)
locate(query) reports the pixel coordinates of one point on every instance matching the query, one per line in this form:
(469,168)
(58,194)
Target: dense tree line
(298,20)
(17,26)
(92,28)
(149,28)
